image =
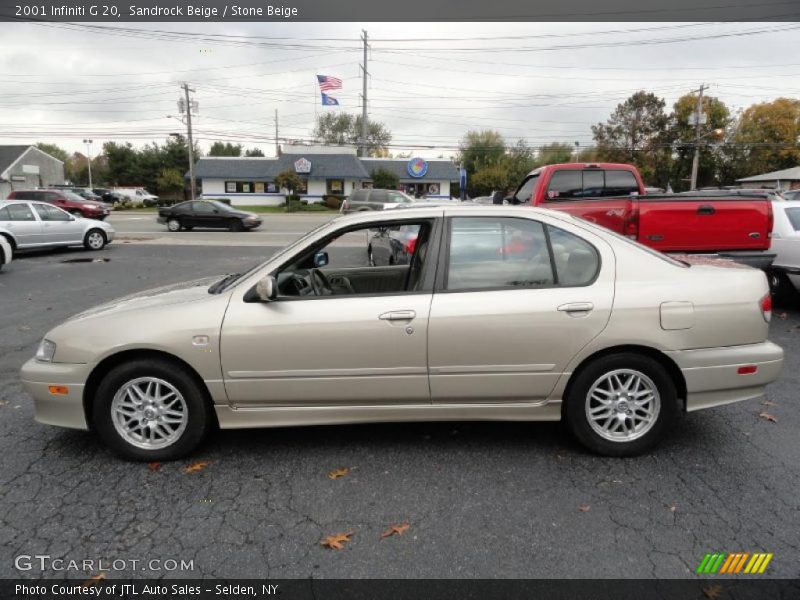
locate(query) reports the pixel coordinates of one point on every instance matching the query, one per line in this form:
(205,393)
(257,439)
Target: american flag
(326,83)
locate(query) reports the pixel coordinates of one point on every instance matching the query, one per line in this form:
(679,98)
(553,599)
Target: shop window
(335,186)
(239,187)
(303,188)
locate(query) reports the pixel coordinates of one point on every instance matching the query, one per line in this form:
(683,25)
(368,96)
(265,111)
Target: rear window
(591,183)
(794,217)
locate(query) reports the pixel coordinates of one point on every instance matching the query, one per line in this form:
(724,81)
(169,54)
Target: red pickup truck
(731,223)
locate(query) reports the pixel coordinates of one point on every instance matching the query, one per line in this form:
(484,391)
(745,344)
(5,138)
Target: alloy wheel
(149,413)
(622,405)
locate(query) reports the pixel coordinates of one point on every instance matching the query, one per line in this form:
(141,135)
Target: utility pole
(697,117)
(189,105)
(277,145)
(89,159)
(364,73)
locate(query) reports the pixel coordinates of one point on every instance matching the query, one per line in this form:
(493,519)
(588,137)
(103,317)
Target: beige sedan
(501,313)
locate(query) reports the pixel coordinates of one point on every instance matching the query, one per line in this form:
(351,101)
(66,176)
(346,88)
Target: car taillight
(411,245)
(770,219)
(766,307)
(631,225)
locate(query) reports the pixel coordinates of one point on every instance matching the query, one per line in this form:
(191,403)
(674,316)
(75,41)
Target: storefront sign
(302,165)
(417,167)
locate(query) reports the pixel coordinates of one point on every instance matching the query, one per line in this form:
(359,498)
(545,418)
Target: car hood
(176,293)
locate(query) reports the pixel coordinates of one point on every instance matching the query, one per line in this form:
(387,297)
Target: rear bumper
(712,377)
(62,410)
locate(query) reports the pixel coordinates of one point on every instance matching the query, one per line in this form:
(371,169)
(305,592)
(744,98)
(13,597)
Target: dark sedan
(207,214)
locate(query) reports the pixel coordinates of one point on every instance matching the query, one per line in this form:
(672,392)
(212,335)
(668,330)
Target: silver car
(540,317)
(31,225)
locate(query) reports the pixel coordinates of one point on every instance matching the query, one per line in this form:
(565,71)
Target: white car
(786,242)
(5,252)
(29,225)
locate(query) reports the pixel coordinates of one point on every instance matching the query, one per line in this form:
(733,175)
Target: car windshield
(229,280)
(220,205)
(74,197)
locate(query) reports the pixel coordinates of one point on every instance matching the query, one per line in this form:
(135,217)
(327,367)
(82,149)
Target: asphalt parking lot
(489,500)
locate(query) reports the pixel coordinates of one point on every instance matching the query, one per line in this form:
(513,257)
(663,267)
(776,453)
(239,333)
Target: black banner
(404,589)
(118,11)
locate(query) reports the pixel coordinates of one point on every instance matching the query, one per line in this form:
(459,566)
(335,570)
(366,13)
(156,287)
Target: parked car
(137,194)
(87,194)
(586,326)
(70,202)
(374,199)
(731,223)
(32,225)
(6,253)
(786,245)
(207,214)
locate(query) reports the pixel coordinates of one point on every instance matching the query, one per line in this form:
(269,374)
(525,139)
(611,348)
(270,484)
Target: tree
(481,149)
(225,149)
(553,153)
(488,179)
(340,129)
(682,133)
(767,136)
(521,161)
(54,150)
(253,152)
(636,132)
(384,179)
(123,164)
(170,181)
(288,180)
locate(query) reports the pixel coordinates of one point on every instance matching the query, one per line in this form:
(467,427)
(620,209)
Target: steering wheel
(320,283)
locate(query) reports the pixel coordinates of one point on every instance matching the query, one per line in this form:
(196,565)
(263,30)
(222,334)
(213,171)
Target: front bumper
(62,410)
(712,377)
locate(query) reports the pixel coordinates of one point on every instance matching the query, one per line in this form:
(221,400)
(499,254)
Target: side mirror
(321,259)
(266,290)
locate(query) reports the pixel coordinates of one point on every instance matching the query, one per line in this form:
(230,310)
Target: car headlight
(46,351)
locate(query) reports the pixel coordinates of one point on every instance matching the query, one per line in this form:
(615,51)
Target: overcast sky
(539,82)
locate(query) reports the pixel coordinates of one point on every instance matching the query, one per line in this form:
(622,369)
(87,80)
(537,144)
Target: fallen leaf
(768,417)
(154,466)
(338,473)
(396,530)
(673,508)
(584,508)
(336,542)
(768,403)
(196,467)
(92,581)
(712,592)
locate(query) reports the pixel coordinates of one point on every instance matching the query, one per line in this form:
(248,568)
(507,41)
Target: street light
(89,158)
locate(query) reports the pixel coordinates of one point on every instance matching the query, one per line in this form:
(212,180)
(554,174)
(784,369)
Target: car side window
(397,198)
(497,253)
(48,197)
(20,212)
(51,213)
(202,207)
(378,196)
(4,215)
(577,261)
(565,184)
(359,195)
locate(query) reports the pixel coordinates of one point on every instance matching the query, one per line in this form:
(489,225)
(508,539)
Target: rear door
(597,195)
(20,220)
(704,224)
(516,300)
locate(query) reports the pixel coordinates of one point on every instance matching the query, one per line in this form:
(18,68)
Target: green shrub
(334,202)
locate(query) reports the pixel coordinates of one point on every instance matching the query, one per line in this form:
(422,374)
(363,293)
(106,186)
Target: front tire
(174,225)
(621,404)
(236,225)
(151,410)
(94,240)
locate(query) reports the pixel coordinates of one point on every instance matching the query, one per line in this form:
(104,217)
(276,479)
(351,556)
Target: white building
(787,179)
(324,171)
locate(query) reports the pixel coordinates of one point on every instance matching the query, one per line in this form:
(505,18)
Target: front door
(519,299)
(58,227)
(341,332)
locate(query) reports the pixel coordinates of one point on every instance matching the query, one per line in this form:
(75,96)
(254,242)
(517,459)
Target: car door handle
(574,307)
(706,210)
(398,315)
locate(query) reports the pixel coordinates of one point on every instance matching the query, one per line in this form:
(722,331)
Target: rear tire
(131,418)
(621,404)
(236,225)
(95,239)
(174,225)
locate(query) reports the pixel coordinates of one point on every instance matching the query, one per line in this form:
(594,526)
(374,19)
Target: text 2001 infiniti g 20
(501,313)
